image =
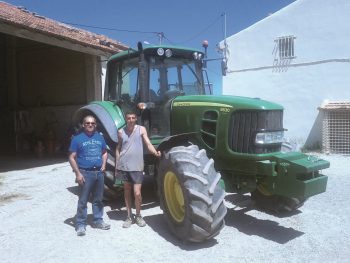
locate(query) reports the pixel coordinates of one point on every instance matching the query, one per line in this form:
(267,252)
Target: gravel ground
(37,206)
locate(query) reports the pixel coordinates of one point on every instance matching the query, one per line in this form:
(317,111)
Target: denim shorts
(135,177)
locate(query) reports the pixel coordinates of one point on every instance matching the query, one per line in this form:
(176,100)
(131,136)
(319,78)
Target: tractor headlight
(168,53)
(269,137)
(160,51)
(197,55)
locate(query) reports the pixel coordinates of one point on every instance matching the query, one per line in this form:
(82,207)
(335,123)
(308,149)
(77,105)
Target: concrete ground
(38,202)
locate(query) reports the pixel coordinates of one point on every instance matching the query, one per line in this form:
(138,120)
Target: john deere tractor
(210,144)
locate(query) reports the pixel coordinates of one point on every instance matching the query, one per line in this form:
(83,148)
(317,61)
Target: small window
(285,47)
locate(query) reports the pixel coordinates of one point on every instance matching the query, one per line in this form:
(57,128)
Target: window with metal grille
(285,46)
(336,127)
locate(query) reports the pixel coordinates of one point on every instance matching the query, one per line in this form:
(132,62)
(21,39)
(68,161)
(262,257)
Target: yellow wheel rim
(174,197)
(263,189)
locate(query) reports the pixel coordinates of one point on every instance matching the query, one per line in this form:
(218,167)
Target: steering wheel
(172,94)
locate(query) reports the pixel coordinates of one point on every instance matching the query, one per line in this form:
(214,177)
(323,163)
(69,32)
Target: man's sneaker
(81,231)
(101,225)
(127,223)
(139,221)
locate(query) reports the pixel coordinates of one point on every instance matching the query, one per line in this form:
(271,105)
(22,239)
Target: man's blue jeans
(94,185)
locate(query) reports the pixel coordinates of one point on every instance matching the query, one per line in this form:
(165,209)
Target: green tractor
(210,144)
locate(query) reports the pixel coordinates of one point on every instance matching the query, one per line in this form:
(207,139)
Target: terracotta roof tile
(21,17)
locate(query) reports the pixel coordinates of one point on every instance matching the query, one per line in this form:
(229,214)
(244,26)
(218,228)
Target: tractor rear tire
(276,203)
(190,195)
(111,191)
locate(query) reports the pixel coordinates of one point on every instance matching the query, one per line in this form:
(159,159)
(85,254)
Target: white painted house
(298,57)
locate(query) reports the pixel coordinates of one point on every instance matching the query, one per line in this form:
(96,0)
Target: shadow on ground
(156,222)
(158,225)
(250,225)
(118,211)
(237,217)
(71,221)
(13,162)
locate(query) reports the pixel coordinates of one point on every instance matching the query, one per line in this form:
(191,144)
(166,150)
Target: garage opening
(41,86)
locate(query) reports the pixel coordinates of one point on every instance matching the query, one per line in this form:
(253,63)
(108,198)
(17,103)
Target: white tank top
(131,153)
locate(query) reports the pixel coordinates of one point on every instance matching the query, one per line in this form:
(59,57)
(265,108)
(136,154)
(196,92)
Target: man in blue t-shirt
(88,157)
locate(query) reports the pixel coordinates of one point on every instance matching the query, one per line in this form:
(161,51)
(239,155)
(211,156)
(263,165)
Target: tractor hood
(233,102)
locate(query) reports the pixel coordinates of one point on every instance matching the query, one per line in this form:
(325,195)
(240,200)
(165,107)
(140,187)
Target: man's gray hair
(89,116)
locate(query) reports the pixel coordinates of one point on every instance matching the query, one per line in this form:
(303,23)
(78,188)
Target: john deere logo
(223,107)
(182,104)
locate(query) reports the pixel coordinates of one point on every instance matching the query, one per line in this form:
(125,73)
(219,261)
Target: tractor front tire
(275,203)
(190,195)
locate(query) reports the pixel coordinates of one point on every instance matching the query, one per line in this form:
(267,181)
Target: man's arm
(79,178)
(104,160)
(148,143)
(117,151)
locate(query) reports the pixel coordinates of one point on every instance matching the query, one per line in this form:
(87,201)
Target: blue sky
(183,22)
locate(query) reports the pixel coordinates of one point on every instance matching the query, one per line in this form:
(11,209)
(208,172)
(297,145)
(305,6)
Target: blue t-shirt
(89,149)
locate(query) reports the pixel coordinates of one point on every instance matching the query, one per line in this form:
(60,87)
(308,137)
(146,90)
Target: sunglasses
(90,123)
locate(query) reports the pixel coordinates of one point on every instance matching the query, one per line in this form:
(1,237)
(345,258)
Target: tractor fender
(177,140)
(103,116)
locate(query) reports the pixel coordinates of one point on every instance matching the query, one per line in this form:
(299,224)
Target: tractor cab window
(164,78)
(171,77)
(129,83)
(156,79)
(128,73)
(122,81)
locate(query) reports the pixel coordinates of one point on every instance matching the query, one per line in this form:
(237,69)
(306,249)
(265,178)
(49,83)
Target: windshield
(174,75)
(161,77)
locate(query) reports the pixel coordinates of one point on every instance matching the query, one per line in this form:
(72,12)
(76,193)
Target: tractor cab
(148,79)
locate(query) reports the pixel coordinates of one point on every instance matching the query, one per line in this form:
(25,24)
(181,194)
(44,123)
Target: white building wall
(320,71)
